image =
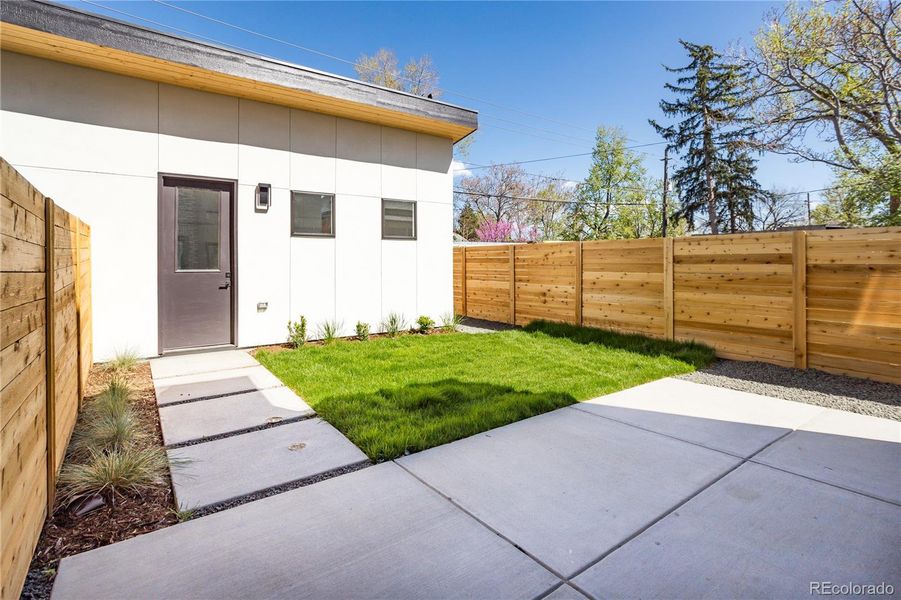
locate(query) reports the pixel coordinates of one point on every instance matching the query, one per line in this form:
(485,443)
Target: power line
(535,160)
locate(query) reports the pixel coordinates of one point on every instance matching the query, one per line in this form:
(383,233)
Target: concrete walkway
(668,490)
(233,429)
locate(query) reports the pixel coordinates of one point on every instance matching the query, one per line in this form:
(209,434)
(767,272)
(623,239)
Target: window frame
(311,235)
(415,221)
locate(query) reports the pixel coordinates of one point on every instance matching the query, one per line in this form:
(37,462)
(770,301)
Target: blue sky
(545,74)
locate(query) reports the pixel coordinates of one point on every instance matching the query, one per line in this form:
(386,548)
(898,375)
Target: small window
(312,214)
(398,220)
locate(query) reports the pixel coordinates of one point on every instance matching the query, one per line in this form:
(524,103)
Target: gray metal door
(195,263)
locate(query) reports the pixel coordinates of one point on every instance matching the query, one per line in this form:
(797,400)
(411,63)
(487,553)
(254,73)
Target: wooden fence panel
(489,282)
(622,285)
(459,280)
(827,299)
(546,277)
(854,302)
(23,402)
(734,293)
(41,249)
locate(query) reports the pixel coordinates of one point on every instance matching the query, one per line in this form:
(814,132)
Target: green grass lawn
(391,396)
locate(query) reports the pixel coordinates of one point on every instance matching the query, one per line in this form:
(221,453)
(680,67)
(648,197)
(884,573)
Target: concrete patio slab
(375,533)
(856,452)
(242,464)
(565,592)
(187,364)
(731,421)
(757,533)
(213,383)
(568,486)
(207,418)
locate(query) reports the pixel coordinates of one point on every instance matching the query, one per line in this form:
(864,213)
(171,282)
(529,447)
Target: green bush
(451,322)
(425,324)
(394,324)
(123,361)
(329,331)
(362,331)
(108,422)
(108,473)
(297,332)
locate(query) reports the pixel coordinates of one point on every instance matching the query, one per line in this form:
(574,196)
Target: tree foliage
(615,179)
(710,104)
(418,76)
(831,72)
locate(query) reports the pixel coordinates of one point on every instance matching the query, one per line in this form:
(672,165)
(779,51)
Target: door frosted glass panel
(197,229)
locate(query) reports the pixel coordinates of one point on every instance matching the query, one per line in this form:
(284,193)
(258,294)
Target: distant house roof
(72,36)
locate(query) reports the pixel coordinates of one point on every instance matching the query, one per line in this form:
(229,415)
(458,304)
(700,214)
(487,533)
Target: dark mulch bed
(65,535)
(274,348)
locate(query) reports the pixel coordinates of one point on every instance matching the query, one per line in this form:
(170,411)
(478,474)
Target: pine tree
(709,103)
(467,223)
(737,190)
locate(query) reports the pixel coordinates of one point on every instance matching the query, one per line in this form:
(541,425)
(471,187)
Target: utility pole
(808,208)
(665,189)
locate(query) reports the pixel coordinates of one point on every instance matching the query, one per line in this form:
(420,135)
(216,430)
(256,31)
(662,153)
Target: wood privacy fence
(826,299)
(45,334)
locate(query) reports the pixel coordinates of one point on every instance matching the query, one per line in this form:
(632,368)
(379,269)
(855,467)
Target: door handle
(225,286)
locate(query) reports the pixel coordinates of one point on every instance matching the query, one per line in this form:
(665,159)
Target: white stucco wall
(95,142)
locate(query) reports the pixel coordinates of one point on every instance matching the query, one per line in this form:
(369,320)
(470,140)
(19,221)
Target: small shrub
(111,401)
(297,332)
(329,331)
(106,433)
(362,331)
(108,422)
(425,324)
(123,361)
(451,322)
(394,324)
(108,473)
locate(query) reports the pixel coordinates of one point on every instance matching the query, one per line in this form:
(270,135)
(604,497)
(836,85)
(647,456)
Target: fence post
(579,283)
(50,346)
(513,284)
(668,329)
(78,308)
(799,298)
(463,277)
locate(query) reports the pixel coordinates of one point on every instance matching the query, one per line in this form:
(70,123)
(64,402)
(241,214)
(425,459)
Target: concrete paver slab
(736,422)
(187,364)
(214,383)
(215,416)
(757,533)
(857,452)
(565,592)
(242,464)
(375,533)
(568,486)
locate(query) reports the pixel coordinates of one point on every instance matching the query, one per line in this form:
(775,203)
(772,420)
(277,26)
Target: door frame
(233,258)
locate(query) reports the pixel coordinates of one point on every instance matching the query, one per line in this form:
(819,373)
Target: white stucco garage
(96,113)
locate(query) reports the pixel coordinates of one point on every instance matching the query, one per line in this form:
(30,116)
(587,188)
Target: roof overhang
(71,36)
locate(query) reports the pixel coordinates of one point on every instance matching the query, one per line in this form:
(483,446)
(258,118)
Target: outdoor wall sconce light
(263,197)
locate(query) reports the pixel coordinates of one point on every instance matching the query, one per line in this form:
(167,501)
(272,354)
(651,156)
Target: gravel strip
(470,325)
(286,487)
(809,386)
